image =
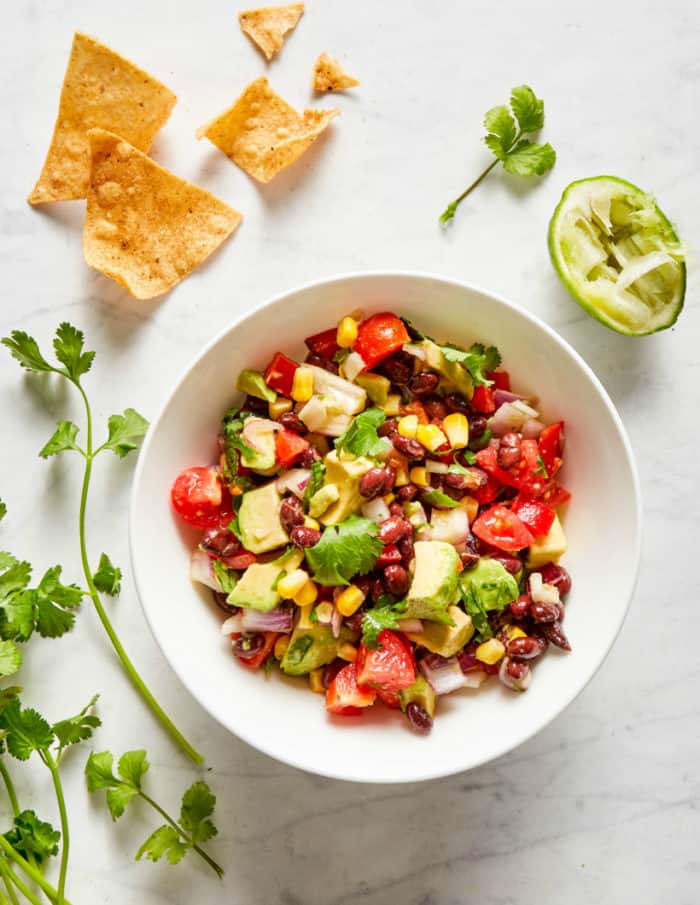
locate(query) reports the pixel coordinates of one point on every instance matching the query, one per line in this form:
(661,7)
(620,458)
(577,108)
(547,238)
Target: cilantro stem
(10,787)
(10,876)
(218,870)
(48,759)
(129,667)
(30,871)
(5,870)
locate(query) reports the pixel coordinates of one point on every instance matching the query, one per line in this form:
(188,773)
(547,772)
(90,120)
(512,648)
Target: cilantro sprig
(477,359)
(49,609)
(385,614)
(173,839)
(345,550)
(505,138)
(361,438)
(315,483)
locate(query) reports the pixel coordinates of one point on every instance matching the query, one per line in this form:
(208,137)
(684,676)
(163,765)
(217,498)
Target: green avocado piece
(312,646)
(259,519)
(346,474)
(421,693)
(257,586)
(376,387)
(452,371)
(434,585)
(489,581)
(443,639)
(322,499)
(263,459)
(252,383)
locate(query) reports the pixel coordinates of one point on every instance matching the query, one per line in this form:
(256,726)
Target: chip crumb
(269,26)
(329,75)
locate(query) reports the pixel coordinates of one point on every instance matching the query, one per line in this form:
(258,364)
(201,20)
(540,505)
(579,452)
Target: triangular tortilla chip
(100,90)
(262,133)
(329,75)
(145,227)
(268,27)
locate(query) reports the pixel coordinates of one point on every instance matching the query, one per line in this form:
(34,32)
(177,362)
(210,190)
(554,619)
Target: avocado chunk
(259,519)
(312,646)
(549,548)
(376,386)
(346,474)
(488,586)
(322,499)
(452,371)
(252,383)
(263,457)
(434,585)
(443,639)
(421,693)
(256,588)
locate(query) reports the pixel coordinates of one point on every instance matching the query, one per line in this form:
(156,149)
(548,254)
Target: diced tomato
(483,400)
(347,697)
(555,495)
(279,374)
(390,554)
(551,447)
(197,496)
(379,337)
(501,380)
(501,528)
(488,460)
(526,475)
(288,447)
(324,344)
(534,515)
(487,493)
(391,666)
(257,661)
(240,561)
(390,698)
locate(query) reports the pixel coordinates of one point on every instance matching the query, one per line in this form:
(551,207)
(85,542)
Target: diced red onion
(376,509)
(510,681)
(202,571)
(532,429)
(436,467)
(510,417)
(254,428)
(449,525)
(353,365)
(336,622)
(295,480)
(502,396)
(414,349)
(233,625)
(274,621)
(541,592)
(443,675)
(411,626)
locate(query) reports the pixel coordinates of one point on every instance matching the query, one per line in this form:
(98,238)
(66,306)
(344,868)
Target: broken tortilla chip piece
(268,27)
(145,227)
(329,75)
(100,90)
(262,133)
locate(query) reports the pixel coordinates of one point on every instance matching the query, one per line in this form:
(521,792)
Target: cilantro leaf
(529,159)
(3,510)
(125,432)
(528,109)
(10,658)
(15,577)
(375,621)
(345,550)
(25,730)
(438,498)
(133,766)
(197,807)
(32,836)
(163,841)
(18,616)
(318,476)
(361,438)
(234,444)
(541,467)
(77,728)
(68,346)
(478,360)
(500,128)
(226,577)
(98,771)
(99,775)
(62,439)
(108,577)
(484,588)
(54,603)
(25,350)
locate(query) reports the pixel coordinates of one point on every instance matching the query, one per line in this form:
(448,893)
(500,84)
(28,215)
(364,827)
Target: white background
(601,807)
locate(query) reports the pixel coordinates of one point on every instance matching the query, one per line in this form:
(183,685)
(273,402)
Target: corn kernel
(279,407)
(389,498)
(303,384)
(347,652)
(316,681)
(324,611)
(307,595)
(408,425)
(430,436)
(456,427)
(349,601)
(304,620)
(420,477)
(490,651)
(289,585)
(392,406)
(513,631)
(281,645)
(347,333)
(470,506)
(401,478)
(311,523)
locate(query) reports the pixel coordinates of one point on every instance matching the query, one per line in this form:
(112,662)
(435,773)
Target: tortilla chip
(268,27)
(329,75)
(100,90)
(262,133)
(145,227)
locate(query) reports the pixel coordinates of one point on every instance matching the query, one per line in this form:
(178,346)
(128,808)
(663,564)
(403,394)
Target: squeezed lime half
(618,255)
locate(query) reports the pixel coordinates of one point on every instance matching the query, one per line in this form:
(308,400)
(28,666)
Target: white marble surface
(601,807)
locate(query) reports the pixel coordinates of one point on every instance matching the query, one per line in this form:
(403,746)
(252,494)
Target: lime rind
(618,255)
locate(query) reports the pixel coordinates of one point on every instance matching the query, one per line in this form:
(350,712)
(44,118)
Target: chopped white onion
(233,625)
(336,622)
(322,415)
(510,417)
(376,509)
(449,525)
(415,349)
(256,428)
(353,365)
(411,626)
(475,678)
(202,571)
(502,396)
(443,675)
(416,514)
(436,467)
(532,428)
(348,397)
(541,592)
(294,480)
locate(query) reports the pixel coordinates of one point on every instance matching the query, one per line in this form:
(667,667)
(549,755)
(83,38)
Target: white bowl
(282,717)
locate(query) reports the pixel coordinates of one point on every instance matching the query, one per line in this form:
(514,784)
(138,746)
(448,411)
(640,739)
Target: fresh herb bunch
(124,434)
(173,839)
(505,139)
